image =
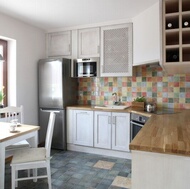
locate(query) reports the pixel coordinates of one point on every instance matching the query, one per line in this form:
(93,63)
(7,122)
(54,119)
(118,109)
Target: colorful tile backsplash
(171,91)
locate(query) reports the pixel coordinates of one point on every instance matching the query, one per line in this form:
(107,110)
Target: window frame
(5,78)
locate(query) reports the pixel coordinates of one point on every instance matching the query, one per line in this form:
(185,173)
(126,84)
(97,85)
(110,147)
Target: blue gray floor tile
(74,170)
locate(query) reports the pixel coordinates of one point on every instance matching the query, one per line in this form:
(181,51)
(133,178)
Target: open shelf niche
(176,31)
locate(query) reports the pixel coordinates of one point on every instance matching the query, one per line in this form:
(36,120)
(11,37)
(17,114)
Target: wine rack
(176,32)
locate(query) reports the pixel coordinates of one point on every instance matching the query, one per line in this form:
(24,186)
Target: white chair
(10,113)
(34,158)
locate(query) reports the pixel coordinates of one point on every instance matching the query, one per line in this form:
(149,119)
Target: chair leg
(34,175)
(16,176)
(28,172)
(49,175)
(13,177)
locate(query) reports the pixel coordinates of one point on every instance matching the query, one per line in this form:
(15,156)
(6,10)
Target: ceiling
(52,14)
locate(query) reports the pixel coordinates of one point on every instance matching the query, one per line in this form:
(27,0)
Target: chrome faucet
(115,102)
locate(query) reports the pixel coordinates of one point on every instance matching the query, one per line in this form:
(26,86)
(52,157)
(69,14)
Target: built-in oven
(86,67)
(137,121)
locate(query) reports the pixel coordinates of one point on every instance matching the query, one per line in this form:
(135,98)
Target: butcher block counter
(167,133)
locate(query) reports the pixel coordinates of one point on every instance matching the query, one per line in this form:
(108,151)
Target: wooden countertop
(129,110)
(168,133)
(165,133)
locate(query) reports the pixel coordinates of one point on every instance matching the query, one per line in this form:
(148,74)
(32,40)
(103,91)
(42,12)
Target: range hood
(152,63)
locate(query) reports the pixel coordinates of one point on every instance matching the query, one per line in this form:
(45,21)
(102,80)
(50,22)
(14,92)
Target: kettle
(150,107)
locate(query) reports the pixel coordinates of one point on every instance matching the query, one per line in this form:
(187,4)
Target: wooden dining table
(23,132)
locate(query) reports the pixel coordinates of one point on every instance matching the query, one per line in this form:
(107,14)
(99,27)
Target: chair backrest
(12,112)
(49,133)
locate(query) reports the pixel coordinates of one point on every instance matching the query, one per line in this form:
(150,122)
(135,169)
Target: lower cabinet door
(83,127)
(102,129)
(120,131)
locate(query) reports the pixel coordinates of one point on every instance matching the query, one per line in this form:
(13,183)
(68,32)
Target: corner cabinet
(83,127)
(176,36)
(112,130)
(116,50)
(59,44)
(89,42)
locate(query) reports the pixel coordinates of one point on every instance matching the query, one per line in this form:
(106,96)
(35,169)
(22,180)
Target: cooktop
(165,111)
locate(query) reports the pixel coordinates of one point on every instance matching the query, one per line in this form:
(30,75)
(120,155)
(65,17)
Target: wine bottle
(172,56)
(175,57)
(185,24)
(172,24)
(169,25)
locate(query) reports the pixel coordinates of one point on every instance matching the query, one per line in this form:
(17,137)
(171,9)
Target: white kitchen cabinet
(120,131)
(69,125)
(59,44)
(116,50)
(89,42)
(112,130)
(102,129)
(146,36)
(83,127)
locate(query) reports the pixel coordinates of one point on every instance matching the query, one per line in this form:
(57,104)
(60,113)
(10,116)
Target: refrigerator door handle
(56,111)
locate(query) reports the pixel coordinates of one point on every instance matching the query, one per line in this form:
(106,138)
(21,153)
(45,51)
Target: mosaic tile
(187,100)
(187,78)
(147,80)
(123,182)
(187,84)
(104,165)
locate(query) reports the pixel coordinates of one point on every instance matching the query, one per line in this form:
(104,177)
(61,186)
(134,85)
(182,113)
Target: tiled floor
(76,170)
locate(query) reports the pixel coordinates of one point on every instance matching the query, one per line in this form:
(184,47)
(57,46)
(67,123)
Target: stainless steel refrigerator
(56,91)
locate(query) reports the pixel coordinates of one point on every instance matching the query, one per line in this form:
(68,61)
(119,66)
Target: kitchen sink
(117,107)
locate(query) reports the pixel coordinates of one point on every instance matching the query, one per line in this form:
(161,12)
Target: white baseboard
(99,151)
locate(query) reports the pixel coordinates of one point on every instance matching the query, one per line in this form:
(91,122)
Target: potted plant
(2,96)
(139,102)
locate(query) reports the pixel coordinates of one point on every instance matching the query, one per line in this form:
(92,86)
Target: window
(3,69)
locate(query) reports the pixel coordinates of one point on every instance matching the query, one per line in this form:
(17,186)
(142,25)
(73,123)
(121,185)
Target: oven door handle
(141,125)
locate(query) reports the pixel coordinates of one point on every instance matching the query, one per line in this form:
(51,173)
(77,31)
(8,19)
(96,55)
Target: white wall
(30,47)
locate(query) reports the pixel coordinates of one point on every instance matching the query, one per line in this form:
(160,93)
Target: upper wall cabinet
(116,50)
(89,43)
(59,44)
(176,36)
(146,36)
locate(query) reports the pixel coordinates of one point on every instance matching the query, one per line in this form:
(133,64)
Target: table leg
(2,165)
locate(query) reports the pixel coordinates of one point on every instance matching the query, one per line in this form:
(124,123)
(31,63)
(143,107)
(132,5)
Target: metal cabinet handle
(136,124)
(56,111)
(84,112)
(98,49)
(109,119)
(69,48)
(113,120)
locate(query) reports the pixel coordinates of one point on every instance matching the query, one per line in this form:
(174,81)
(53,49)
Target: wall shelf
(176,35)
